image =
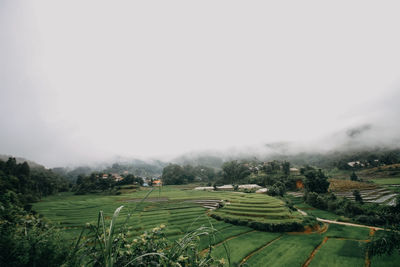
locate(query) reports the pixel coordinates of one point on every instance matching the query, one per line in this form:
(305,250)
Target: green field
(346,253)
(386,181)
(175,208)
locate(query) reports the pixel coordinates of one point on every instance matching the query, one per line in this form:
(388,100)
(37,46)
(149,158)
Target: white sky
(86,80)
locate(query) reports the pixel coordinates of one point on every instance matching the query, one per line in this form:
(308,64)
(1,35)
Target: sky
(84,81)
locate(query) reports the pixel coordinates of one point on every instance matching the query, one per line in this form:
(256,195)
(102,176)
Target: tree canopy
(316,181)
(233,171)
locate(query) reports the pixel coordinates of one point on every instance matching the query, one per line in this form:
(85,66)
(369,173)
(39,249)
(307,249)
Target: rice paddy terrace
(250,209)
(377,192)
(185,210)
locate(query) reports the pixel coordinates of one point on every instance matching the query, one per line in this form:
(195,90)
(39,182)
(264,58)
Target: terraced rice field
(260,208)
(329,246)
(378,195)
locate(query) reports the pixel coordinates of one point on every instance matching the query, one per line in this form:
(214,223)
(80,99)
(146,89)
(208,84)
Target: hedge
(262,226)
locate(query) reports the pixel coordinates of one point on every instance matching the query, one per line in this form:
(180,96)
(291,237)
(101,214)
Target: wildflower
(162,226)
(222,261)
(182,258)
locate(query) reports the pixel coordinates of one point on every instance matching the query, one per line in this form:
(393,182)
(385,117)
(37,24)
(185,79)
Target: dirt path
(342,223)
(314,252)
(259,249)
(367,259)
(225,240)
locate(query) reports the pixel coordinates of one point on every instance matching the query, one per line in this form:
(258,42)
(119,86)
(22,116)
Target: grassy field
(175,207)
(290,250)
(387,181)
(346,253)
(243,245)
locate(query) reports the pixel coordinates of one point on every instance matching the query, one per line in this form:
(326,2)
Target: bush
(31,242)
(278,189)
(263,226)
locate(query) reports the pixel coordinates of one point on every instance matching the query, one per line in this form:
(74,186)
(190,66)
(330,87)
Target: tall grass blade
(108,247)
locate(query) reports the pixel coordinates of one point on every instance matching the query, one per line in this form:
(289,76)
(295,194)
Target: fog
(91,81)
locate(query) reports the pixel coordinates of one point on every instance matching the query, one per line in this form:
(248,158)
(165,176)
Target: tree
(357,196)
(233,171)
(316,181)
(278,189)
(286,168)
(173,174)
(24,169)
(386,243)
(354,176)
(205,173)
(188,173)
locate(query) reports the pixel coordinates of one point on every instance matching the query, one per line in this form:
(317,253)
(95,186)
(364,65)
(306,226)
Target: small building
(204,188)
(226,187)
(294,170)
(117,177)
(262,191)
(157,183)
(249,186)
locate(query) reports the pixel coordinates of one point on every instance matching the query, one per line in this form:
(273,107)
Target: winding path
(342,223)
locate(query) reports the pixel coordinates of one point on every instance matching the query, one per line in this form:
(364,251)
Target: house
(294,170)
(117,177)
(157,183)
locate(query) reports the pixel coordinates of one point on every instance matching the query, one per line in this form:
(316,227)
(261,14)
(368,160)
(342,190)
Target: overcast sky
(83,81)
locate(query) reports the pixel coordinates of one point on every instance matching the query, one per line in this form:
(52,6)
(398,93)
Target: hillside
(31,163)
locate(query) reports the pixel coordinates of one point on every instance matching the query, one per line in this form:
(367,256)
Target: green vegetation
(353,176)
(347,253)
(290,250)
(175,208)
(174,174)
(387,181)
(234,172)
(316,181)
(260,212)
(241,246)
(107,245)
(26,240)
(171,226)
(370,214)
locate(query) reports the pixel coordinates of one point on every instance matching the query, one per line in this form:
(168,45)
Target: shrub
(29,241)
(264,226)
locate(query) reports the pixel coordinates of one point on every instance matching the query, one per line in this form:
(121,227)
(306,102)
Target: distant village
(153,181)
